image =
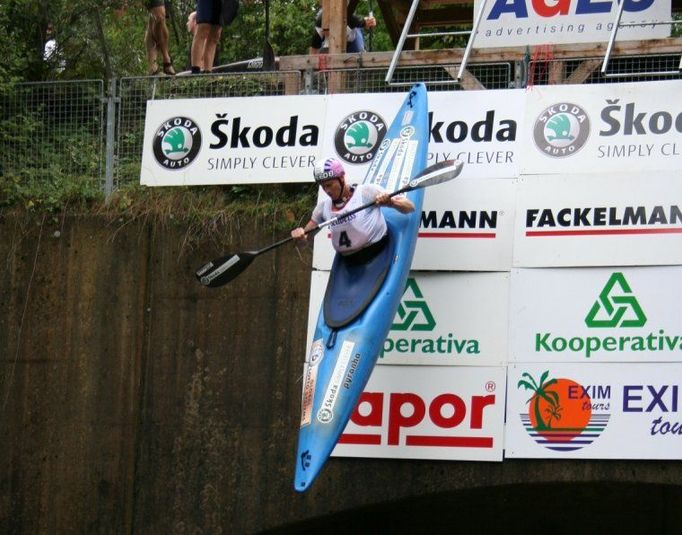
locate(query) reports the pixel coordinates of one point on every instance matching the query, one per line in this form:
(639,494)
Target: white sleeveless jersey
(350,234)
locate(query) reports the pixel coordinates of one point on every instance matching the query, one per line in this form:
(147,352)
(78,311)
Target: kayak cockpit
(354,282)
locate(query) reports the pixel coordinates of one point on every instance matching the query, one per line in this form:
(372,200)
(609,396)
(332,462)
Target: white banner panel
(466,225)
(521,23)
(479,128)
(610,220)
(443,319)
(595,411)
(596,314)
(428,413)
(603,128)
(250,140)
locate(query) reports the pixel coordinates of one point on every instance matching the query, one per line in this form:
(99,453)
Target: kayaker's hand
(299,234)
(383,199)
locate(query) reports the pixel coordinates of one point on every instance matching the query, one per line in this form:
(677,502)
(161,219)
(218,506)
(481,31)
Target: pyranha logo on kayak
(359,135)
(616,307)
(564,415)
(414,315)
(561,130)
(176,143)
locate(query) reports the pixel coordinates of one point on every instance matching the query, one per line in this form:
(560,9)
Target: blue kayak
(362,298)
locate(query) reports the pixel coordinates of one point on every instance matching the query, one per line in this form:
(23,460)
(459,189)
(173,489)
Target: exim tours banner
(595,411)
(525,22)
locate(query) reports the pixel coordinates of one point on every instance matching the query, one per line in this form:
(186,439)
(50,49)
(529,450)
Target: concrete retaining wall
(133,400)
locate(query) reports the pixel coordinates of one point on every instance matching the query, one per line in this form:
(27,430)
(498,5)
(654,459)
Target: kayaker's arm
(399,202)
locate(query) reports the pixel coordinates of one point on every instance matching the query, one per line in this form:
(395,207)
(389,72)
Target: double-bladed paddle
(222,270)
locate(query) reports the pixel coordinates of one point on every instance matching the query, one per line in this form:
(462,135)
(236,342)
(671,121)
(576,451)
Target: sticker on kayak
(326,412)
(310,381)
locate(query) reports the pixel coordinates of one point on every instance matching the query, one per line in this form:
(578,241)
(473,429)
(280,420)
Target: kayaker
(363,232)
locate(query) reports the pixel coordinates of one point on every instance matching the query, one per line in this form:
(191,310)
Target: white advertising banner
(596,314)
(521,23)
(479,128)
(428,412)
(466,225)
(190,142)
(595,411)
(251,140)
(603,128)
(610,220)
(442,319)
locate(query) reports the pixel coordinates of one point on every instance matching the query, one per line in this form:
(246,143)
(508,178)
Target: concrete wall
(133,400)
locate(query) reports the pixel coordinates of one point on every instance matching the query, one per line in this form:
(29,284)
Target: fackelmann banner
(614,219)
(427,412)
(596,411)
(525,22)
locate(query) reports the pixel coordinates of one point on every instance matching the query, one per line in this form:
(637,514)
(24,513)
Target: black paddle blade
(222,270)
(268,58)
(437,174)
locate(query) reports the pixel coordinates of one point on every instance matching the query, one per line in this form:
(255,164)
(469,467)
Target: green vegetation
(105,38)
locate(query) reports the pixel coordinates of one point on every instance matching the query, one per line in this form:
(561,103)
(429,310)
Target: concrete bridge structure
(133,400)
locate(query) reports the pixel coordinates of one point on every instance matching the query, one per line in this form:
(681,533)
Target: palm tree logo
(541,392)
(560,415)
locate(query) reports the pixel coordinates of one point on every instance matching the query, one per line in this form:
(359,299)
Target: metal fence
(54,132)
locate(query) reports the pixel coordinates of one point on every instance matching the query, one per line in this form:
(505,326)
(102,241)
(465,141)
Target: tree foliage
(105,38)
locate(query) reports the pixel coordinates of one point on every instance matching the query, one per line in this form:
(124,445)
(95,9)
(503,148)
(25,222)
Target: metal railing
(52,132)
(55,132)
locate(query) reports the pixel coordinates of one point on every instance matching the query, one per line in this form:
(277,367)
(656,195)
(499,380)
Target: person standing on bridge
(355,40)
(362,234)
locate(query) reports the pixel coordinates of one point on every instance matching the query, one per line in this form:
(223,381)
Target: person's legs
(156,40)
(210,48)
(198,46)
(150,38)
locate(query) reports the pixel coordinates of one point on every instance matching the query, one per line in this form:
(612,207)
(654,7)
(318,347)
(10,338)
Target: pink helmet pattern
(328,169)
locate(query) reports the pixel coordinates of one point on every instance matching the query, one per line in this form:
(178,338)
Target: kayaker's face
(332,188)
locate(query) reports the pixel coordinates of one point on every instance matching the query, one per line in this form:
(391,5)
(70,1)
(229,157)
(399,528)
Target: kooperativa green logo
(414,317)
(413,312)
(616,306)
